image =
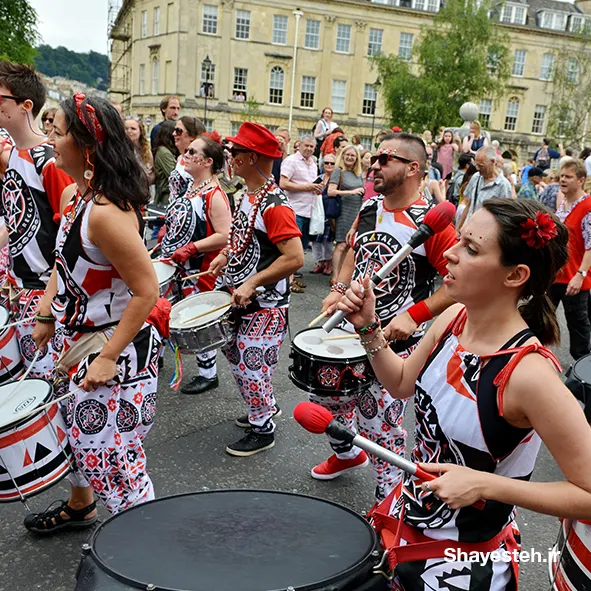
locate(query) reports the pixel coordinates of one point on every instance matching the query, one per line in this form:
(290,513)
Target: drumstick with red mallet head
(317,419)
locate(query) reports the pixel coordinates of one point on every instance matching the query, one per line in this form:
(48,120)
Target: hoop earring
(89,172)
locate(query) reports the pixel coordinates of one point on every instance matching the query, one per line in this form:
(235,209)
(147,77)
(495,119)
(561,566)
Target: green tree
(251,110)
(18,31)
(462,56)
(570,92)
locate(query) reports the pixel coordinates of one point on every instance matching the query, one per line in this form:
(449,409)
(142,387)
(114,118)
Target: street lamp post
(298,14)
(206,84)
(376,86)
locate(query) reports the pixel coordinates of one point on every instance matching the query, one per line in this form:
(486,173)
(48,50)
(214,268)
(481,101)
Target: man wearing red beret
(263,250)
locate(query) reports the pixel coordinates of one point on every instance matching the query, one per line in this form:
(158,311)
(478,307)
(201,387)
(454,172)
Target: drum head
(30,394)
(310,341)
(164,272)
(582,369)
(4,316)
(198,304)
(233,540)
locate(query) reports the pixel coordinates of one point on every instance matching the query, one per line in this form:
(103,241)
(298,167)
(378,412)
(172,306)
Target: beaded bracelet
(372,352)
(339,287)
(44,319)
(369,328)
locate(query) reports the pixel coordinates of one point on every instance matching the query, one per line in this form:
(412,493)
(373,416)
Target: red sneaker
(318,268)
(333,467)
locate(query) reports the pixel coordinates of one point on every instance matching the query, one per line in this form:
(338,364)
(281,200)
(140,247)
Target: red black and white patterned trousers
(253,356)
(379,419)
(106,427)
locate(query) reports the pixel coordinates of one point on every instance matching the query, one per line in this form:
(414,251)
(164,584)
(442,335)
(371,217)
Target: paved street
(186,453)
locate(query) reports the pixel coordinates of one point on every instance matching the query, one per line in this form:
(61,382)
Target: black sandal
(51,520)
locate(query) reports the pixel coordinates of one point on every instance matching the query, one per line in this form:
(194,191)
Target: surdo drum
(34,449)
(329,368)
(210,331)
(233,540)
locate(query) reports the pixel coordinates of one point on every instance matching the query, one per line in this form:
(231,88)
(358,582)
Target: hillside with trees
(90,68)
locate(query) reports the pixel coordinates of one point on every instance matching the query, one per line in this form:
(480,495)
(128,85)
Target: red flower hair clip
(91,123)
(537,233)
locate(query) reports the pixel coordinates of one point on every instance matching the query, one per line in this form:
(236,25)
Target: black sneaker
(199,384)
(243,420)
(252,443)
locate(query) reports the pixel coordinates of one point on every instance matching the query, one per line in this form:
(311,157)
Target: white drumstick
(22,321)
(341,338)
(216,309)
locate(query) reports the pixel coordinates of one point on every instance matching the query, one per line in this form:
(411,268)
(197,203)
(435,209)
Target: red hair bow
(537,233)
(94,127)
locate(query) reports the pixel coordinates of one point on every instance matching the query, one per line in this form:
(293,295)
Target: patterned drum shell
(34,450)
(207,333)
(574,568)
(329,368)
(11,362)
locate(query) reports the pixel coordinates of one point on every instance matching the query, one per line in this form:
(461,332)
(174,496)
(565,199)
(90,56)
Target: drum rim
(168,279)
(26,419)
(2,329)
(574,370)
(217,320)
(343,360)
(142,585)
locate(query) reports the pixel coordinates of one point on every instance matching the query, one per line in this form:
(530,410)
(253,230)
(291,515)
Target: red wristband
(420,312)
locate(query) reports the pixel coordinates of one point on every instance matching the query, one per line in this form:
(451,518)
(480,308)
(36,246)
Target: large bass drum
(233,540)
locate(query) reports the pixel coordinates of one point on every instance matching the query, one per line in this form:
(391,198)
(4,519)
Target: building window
(235,126)
(144,31)
(547,65)
(433,5)
(419,4)
(405,47)
(578,24)
(485,112)
(375,41)
(156,23)
(155,76)
(169,17)
(339,89)
(240,80)
(308,91)
(210,19)
(369,100)
(553,20)
(519,62)
(207,87)
(312,38)
(208,124)
(572,70)
(512,114)
(539,116)
(276,85)
(142,84)
(243,24)
(343,38)
(279,29)
(513,14)
(519,15)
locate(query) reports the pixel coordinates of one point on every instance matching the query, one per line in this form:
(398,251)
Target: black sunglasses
(384,157)
(177,131)
(192,152)
(235,151)
(16,99)
(48,119)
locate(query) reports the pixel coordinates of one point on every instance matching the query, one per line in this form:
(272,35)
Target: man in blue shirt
(544,156)
(528,189)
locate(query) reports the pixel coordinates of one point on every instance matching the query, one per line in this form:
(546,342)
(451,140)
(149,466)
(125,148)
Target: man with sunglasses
(31,194)
(264,249)
(405,299)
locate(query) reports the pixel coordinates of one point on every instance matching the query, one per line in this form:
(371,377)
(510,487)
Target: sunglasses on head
(177,131)
(384,157)
(49,119)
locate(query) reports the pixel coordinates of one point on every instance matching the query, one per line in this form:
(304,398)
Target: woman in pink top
(446,149)
(366,175)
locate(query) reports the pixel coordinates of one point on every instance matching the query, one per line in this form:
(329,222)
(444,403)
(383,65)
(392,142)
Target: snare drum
(167,280)
(579,383)
(329,368)
(11,362)
(34,450)
(570,566)
(206,333)
(282,541)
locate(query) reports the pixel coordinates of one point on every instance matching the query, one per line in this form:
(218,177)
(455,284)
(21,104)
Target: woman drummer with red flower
(486,394)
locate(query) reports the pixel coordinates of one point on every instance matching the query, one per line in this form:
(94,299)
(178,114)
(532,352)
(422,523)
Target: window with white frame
(240,81)
(553,20)
(234,127)
(343,38)
(579,24)
(155,66)
(539,116)
(312,37)
(308,91)
(210,19)
(208,123)
(419,4)
(519,62)
(276,82)
(156,22)
(375,41)
(572,70)
(547,65)
(339,91)
(279,29)
(144,24)
(369,100)
(243,24)
(485,112)
(405,47)
(142,81)
(433,5)
(207,87)
(512,114)
(512,14)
